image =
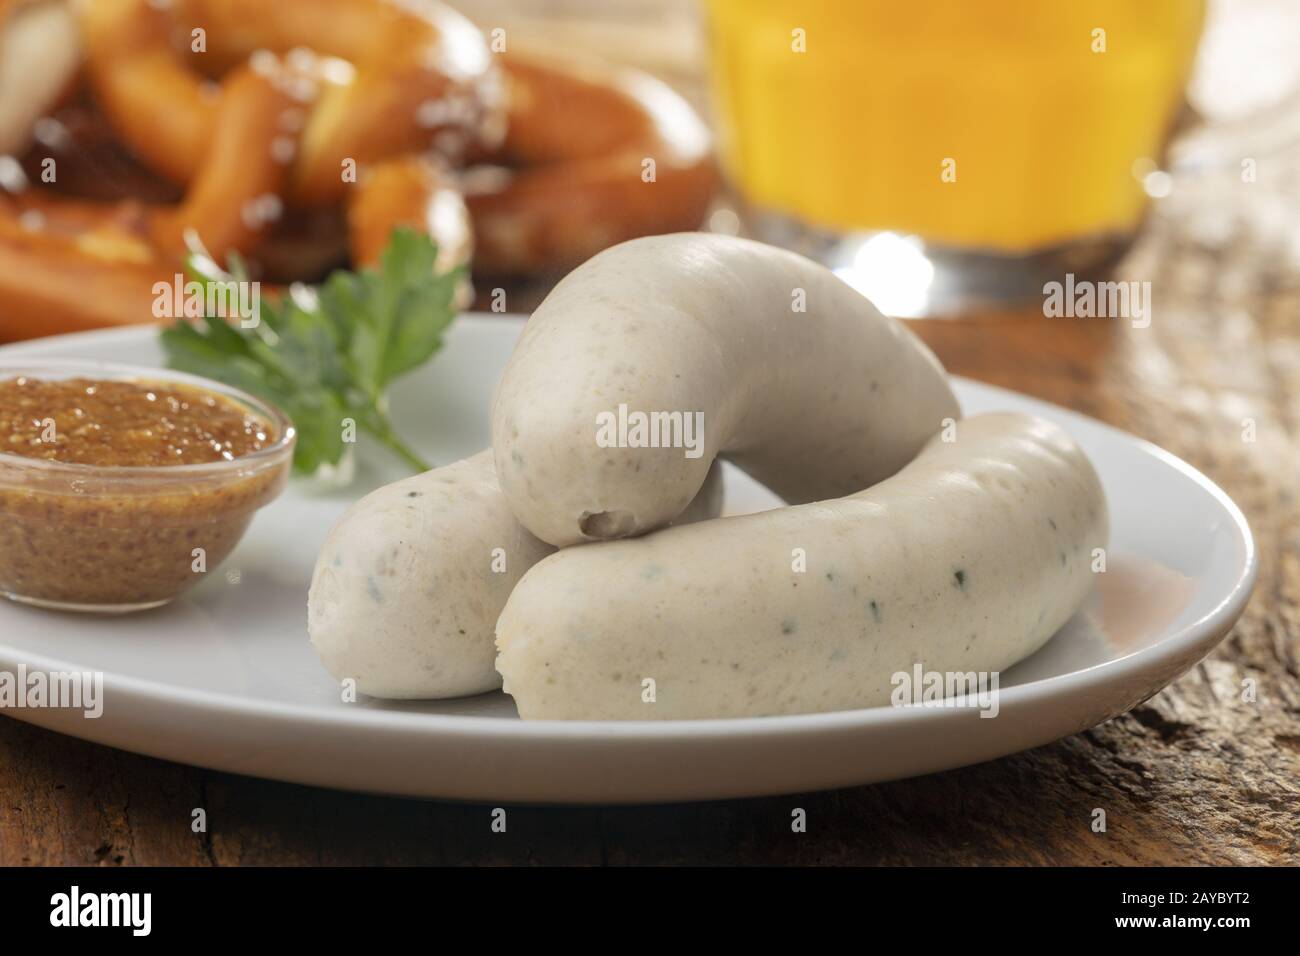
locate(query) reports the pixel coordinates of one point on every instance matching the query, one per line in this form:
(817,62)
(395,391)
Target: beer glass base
(906,276)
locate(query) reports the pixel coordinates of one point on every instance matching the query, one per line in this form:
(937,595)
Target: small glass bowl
(115,539)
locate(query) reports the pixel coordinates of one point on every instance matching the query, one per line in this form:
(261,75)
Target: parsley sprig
(329,353)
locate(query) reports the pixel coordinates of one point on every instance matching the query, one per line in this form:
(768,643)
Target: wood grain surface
(1196,775)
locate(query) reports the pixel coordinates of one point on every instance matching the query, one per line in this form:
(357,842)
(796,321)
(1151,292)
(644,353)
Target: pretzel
(71,265)
(407,191)
(301,245)
(68,265)
(367,81)
(576,145)
(395,77)
(39,55)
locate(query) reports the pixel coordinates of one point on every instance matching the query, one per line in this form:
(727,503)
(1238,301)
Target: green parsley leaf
(328,354)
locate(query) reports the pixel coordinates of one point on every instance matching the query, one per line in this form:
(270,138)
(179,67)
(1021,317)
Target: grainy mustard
(124,423)
(119,493)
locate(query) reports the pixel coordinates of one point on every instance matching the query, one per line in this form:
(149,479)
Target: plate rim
(1205,630)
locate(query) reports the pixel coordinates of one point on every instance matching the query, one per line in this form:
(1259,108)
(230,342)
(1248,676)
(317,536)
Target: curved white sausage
(969,559)
(410,580)
(799,380)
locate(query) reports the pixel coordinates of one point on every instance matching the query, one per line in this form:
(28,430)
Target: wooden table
(1194,775)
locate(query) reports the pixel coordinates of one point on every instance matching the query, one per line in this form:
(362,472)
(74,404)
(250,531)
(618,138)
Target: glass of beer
(939,153)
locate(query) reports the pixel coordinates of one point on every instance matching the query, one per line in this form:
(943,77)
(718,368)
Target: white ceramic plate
(225,677)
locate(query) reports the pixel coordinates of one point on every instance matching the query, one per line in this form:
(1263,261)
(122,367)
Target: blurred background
(948,157)
(944,157)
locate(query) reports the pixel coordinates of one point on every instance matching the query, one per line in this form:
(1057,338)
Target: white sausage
(409,582)
(969,559)
(814,404)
